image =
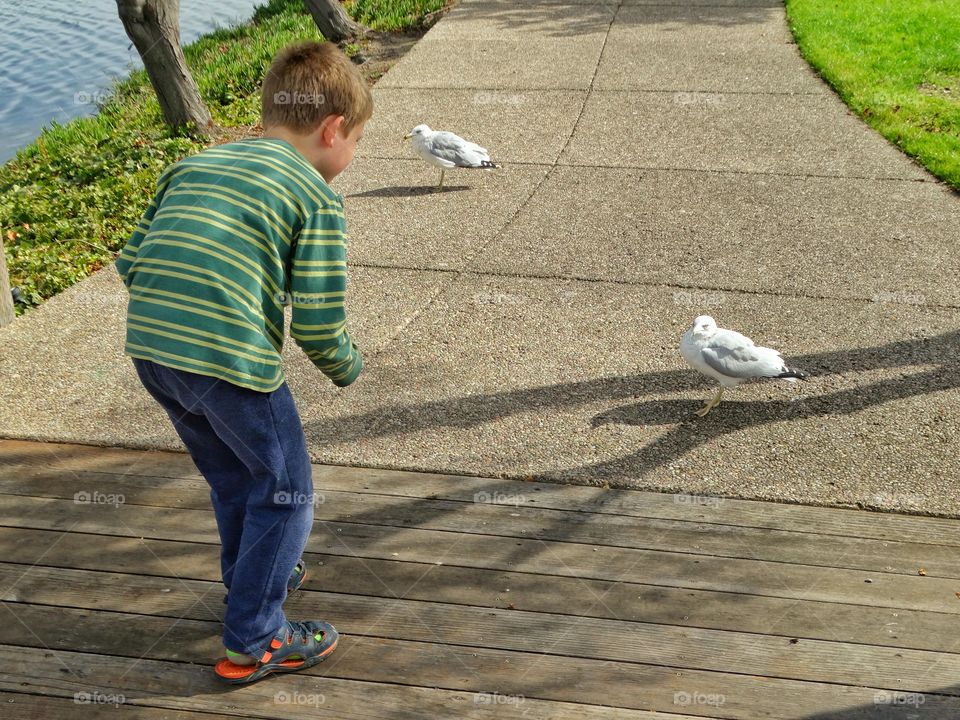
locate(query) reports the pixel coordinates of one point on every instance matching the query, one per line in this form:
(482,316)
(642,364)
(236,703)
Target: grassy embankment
(69,200)
(896,64)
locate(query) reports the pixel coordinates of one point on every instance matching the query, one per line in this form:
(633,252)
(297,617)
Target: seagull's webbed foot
(711,404)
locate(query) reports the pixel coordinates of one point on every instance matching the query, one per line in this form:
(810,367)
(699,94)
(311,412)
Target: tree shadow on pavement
(937,358)
(942,352)
(558,19)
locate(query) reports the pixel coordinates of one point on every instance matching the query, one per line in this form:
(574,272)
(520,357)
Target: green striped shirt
(233,235)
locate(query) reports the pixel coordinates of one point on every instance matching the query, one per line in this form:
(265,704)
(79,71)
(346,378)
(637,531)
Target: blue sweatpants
(250,448)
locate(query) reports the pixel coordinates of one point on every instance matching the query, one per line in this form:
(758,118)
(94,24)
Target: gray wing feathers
(455,149)
(736,356)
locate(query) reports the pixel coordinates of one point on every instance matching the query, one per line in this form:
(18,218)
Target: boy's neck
(304,144)
(278,132)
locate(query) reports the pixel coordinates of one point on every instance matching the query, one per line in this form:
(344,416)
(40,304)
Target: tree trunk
(6,299)
(154,28)
(332,20)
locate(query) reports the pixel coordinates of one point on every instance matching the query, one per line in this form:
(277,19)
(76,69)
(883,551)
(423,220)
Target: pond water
(58,57)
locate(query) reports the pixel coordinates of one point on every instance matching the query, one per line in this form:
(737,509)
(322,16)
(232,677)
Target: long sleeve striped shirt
(233,235)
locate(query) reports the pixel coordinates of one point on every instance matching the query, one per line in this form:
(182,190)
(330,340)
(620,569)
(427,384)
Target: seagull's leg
(440,186)
(719,397)
(711,404)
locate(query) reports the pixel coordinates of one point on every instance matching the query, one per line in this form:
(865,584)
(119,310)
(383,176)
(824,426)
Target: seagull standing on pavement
(730,358)
(446,150)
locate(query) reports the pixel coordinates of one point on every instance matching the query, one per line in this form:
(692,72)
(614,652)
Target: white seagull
(730,358)
(446,150)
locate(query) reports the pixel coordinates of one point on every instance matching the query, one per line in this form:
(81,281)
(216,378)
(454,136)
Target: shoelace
(301,629)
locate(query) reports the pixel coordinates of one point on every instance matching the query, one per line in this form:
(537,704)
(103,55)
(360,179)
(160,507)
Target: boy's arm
(129,252)
(318,285)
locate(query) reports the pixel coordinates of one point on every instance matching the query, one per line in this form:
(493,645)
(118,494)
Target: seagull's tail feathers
(487,165)
(792,375)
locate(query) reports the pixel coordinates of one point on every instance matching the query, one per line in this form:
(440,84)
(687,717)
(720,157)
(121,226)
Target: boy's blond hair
(309,81)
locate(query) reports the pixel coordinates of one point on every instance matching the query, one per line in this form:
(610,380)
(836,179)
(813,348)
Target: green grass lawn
(69,201)
(896,63)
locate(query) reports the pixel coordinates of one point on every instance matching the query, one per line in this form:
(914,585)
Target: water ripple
(56,62)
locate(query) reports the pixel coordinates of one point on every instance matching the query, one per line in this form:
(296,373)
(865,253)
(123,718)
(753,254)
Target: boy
(233,234)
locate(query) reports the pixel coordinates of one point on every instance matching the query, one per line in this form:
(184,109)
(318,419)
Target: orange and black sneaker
(296,646)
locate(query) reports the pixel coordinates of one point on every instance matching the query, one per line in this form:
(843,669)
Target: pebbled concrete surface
(525,324)
(672,47)
(756,133)
(529,126)
(821,237)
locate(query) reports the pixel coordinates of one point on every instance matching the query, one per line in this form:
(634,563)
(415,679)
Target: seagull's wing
(735,356)
(453,148)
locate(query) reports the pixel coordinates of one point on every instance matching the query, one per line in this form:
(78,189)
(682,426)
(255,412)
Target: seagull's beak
(408,136)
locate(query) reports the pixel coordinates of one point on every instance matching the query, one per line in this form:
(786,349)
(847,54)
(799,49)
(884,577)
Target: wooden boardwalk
(462,597)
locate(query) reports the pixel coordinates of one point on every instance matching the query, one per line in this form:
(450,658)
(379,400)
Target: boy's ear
(329,128)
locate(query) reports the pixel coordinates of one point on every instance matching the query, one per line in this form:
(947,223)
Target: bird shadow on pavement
(404,191)
(942,352)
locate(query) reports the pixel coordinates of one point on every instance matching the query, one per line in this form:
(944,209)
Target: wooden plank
(536,556)
(23,456)
(702,508)
(468,670)
(870,555)
(179,564)
(186,686)
(18,706)
(682,648)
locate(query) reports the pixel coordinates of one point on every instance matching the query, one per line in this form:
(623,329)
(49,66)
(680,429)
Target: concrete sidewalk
(660,161)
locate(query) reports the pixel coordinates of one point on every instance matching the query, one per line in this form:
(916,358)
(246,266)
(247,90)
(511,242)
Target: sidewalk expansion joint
(456,274)
(640,284)
(657,168)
